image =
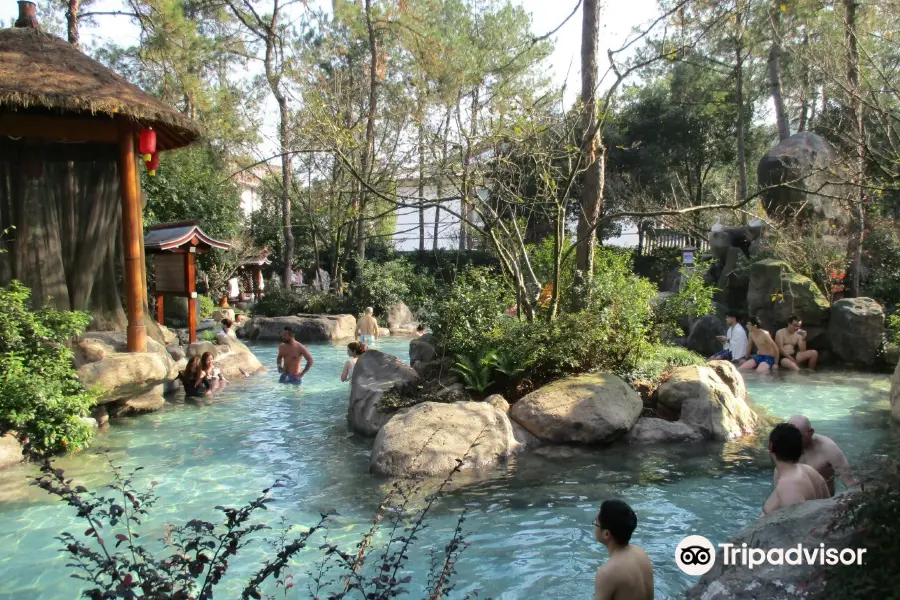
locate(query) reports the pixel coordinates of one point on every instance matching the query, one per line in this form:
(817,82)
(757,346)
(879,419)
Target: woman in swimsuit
(212,372)
(195,383)
(354,351)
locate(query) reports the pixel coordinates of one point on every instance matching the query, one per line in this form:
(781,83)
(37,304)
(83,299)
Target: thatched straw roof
(41,72)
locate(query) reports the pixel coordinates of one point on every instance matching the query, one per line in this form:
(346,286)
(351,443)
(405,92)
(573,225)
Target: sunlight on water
(529,528)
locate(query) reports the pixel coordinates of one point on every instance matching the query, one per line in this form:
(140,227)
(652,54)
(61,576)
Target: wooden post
(160,313)
(190,274)
(132,241)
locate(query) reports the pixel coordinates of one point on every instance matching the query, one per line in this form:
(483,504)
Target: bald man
(822,454)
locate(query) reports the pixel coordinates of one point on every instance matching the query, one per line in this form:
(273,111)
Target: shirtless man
(289,354)
(767,354)
(628,574)
(795,482)
(822,454)
(367,327)
(791,342)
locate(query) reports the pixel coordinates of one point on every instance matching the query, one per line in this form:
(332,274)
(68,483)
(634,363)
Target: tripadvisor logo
(695,555)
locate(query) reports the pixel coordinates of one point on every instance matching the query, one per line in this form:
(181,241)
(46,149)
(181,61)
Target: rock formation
(587,409)
(307,328)
(374,374)
(895,394)
(856,331)
(231,356)
(776,292)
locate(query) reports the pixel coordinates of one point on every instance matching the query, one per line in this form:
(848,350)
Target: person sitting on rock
(767,354)
(367,327)
(192,378)
(354,351)
(226,327)
(420,331)
(822,454)
(628,574)
(795,482)
(792,342)
(212,372)
(734,340)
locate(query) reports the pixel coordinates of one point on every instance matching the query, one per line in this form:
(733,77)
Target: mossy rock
(776,292)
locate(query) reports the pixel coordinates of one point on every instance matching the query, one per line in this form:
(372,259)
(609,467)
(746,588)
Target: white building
(249,182)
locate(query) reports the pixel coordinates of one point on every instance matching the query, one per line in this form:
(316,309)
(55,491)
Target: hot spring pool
(529,529)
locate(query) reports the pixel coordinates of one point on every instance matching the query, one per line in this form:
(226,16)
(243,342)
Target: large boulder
(709,399)
(399,317)
(587,409)
(807,524)
(150,401)
(374,374)
(650,430)
(422,349)
(797,179)
(857,330)
(10,451)
(223,313)
(702,338)
(776,292)
(895,394)
(307,328)
(103,362)
(429,438)
(232,357)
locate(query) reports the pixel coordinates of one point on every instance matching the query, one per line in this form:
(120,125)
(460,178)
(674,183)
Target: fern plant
(505,363)
(476,370)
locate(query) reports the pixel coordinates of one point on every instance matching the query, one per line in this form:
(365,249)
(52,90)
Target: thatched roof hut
(42,74)
(69,169)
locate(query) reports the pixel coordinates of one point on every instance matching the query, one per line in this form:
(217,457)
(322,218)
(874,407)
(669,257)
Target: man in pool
(822,454)
(367,327)
(795,482)
(628,574)
(791,342)
(767,354)
(289,354)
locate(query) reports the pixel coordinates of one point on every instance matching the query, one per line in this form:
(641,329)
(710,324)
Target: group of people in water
(806,465)
(788,349)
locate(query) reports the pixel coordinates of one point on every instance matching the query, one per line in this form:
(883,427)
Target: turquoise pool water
(529,528)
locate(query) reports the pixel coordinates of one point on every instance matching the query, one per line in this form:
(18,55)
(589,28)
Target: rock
(422,349)
(176,352)
(400,317)
(807,524)
(650,430)
(384,332)
(804,162)
(149,401)
(223,313)
(702,339)
(101,415)
(587,409)
(374,374)
(895,394)
(169,337)
(711,399)
(891,355)
(231,356)
(428,439)
(792,293)
(857,330)
(498,402)
(307,328)
(10,451)
(121,375)
(198,349)
(90,422)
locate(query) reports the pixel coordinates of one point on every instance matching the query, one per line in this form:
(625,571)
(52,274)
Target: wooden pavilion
(176,246)
(69,173)
(253,270)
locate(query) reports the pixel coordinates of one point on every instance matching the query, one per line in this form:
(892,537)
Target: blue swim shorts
(293,379)
(367,339)
(762,358)
(722,355)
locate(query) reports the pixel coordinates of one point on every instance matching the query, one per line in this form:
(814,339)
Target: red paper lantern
(147,143)
(153,163)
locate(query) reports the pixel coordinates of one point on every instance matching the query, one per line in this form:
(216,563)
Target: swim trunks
(762,358)
(367,339)
(293,379)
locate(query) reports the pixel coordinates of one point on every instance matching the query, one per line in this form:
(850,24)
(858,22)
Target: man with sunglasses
(628,574)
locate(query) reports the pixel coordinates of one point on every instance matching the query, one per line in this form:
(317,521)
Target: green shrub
(463,315)
(207,336)
(387,283)
(41,397)
(205,306)
(694,299)
(881,262)
(476,370)
(893,328)
(278,301)
(660,359)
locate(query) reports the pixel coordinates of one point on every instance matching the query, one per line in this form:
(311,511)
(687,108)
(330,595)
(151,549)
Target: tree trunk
(421,135)
(440,178)
(739,76)
(72,9)
(856,111)
(774,68)
(591,189)
(804,86)
(467,169)
(285,188)
(368,156)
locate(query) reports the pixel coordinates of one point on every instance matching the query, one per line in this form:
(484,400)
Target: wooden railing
(651,238)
